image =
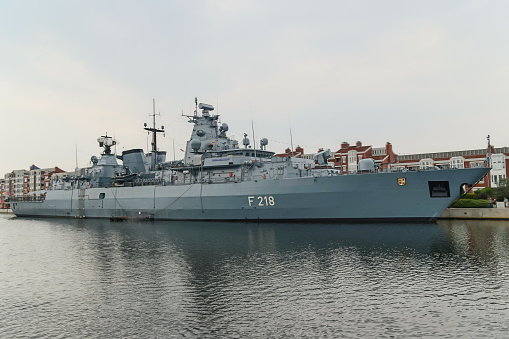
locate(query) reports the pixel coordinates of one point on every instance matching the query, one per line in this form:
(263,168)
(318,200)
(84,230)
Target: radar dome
(195,144)
(224,126)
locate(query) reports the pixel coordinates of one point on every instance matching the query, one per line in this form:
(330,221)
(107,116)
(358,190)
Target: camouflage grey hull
(374,196)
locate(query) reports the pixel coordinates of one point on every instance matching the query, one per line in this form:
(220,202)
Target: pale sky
(427,76)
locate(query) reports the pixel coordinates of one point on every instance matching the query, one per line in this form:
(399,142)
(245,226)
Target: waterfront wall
(476,213)
(450,213)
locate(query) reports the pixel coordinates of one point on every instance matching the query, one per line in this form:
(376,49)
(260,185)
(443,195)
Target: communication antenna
(173,149)
(252,128)
(291,138)
(116,142)
(254,139)
(154,131)
(76,145)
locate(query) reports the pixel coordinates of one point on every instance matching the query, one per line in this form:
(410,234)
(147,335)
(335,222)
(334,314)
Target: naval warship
(219,179)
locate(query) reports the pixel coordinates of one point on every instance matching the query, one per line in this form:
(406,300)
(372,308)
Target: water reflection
(482,243)
(165,279)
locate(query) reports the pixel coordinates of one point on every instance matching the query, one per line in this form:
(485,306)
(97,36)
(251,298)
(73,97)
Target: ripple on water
(97,279)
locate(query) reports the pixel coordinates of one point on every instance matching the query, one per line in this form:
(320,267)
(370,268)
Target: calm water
(96,279)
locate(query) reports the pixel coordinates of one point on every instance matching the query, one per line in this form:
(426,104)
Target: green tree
(502,191)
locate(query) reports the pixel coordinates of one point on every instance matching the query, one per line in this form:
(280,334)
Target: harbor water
(68,278)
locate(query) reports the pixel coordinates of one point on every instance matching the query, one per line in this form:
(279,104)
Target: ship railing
(429,168)
(220,180)
(204,180)
(141,182)
(27,198)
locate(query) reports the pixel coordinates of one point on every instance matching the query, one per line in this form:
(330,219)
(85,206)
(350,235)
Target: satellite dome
(195,144)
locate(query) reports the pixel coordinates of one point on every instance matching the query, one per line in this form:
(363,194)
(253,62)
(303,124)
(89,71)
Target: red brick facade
(298,153)
(347,158)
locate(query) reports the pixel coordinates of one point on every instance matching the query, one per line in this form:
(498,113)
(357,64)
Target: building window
(352,161)
(457,162)
(425,163)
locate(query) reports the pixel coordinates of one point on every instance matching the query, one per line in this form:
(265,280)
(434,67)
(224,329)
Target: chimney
(344,144)
(388,148)
(358,144)
(390,152)
(299,150)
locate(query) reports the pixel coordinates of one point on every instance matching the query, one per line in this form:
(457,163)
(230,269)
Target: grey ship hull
(358,197)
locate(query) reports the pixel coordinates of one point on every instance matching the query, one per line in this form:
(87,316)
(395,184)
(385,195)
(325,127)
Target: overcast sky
(425,75)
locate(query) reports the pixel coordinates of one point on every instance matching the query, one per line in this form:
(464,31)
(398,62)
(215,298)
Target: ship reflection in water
(93,278)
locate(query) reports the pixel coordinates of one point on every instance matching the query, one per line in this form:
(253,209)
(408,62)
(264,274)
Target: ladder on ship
(81,203)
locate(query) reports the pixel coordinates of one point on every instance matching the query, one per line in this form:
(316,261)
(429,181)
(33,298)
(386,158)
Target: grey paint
(219,181)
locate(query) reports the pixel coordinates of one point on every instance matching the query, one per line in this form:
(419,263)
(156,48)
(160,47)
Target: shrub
(482,196)
(470,196)
(486,190)
(470,203)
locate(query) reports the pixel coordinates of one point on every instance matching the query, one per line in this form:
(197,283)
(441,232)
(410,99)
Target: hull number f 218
(261,201)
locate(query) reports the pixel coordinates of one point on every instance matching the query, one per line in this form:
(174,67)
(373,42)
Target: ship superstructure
(219,179)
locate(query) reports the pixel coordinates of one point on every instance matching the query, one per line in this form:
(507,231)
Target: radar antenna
(194,117)
(106,142)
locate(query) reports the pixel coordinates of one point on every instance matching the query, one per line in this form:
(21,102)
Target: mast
(488,152)
(154,131)
(254,140)
(291,139)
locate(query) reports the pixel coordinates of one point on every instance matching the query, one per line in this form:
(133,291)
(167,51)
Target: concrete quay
(476,213)
(450,213)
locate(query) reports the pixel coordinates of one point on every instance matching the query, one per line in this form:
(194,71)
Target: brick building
(22,182)
(298,153)
(348,156)
(39,179)
(462,159)
(3,194)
